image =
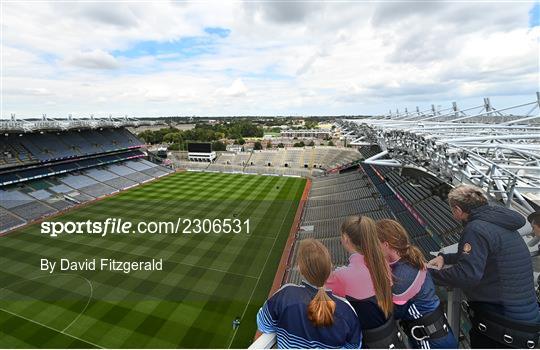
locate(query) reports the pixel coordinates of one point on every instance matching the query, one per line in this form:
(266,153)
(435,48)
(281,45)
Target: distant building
(307,134)
(234,148)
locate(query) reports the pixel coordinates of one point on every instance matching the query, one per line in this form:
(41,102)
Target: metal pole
(453,311)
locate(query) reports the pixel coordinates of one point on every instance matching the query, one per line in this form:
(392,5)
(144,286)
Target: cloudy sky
(264,57)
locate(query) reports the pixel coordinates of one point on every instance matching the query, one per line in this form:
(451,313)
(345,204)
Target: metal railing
(264,341)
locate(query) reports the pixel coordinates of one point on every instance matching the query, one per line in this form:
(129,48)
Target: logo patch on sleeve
(467,248)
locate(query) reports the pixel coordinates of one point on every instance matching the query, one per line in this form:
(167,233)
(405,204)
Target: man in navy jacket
(493,265)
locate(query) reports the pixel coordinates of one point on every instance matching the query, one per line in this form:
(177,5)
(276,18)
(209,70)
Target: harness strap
(503,330)
(386,336)
(431,326)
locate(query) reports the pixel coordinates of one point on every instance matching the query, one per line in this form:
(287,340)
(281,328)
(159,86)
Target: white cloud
(280,58)
(95,59)
(236,89)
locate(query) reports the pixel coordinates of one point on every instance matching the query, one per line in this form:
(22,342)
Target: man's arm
(450,258)
(470,264)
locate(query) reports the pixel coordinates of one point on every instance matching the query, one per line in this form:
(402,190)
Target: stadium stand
(32,210)
(428,218)
(296,161)
(42,173)
(48,146)
(120,183)
(9,220)
(331,199)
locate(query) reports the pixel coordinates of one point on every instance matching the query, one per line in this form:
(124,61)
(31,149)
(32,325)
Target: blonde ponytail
(315,265)
(362,232)
(321,309)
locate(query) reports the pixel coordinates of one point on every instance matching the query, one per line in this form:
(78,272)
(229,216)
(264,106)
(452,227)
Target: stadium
(241,216)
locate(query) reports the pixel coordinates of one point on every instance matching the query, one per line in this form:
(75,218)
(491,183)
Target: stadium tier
(26,156)
(23,149)
(44,173)
(33,199)
(305,161)
(432,225)
(333,198)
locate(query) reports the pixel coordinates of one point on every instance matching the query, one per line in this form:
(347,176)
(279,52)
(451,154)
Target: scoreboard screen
(200,147)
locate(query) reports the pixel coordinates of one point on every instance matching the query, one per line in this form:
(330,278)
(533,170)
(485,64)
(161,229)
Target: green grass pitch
(207,279)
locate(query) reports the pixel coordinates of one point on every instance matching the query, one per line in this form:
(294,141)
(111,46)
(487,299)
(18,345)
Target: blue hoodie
(493,265)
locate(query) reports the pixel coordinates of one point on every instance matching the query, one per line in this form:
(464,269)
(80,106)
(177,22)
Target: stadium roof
(497,151)
(14,125)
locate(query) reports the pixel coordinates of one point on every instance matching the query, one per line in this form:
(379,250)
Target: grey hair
(467,197)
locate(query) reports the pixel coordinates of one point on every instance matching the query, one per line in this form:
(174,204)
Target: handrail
(265,341)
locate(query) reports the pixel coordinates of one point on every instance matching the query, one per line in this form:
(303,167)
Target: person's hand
(436,263)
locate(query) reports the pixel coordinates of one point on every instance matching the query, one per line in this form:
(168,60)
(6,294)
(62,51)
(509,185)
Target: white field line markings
(260,274)
(72,322)
(51,328)
(85,307)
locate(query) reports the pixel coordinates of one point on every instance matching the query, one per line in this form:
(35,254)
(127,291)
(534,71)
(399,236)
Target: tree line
(178,139)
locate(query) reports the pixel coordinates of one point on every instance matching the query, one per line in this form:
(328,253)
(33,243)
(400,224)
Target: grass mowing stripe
(187,305)
(259,278)
(244,336)
(195,331)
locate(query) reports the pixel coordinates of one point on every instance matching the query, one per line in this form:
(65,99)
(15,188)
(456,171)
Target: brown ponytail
(394,234)
(362,233)
(315,265)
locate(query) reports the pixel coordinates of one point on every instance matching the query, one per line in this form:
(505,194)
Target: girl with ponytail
(307,315)
(413,291)
(366,281)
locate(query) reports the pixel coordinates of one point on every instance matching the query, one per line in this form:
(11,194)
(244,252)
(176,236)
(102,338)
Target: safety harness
(387,336)
(430,326)
(512,333)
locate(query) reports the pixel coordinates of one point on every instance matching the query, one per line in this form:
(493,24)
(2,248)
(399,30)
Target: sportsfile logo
(118,226)
(102,228)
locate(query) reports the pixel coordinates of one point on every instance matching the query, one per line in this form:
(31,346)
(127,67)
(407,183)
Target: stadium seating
(14,155)
(340,256)
(34,199)
(331,200)
(98,190)
(48,146)
(32,210)
(59,203)
(120,183)
(78,181)
(369,151)
(265,158)
(438,227)
(138,177)
(9,221)
(296,161)
(100,174)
